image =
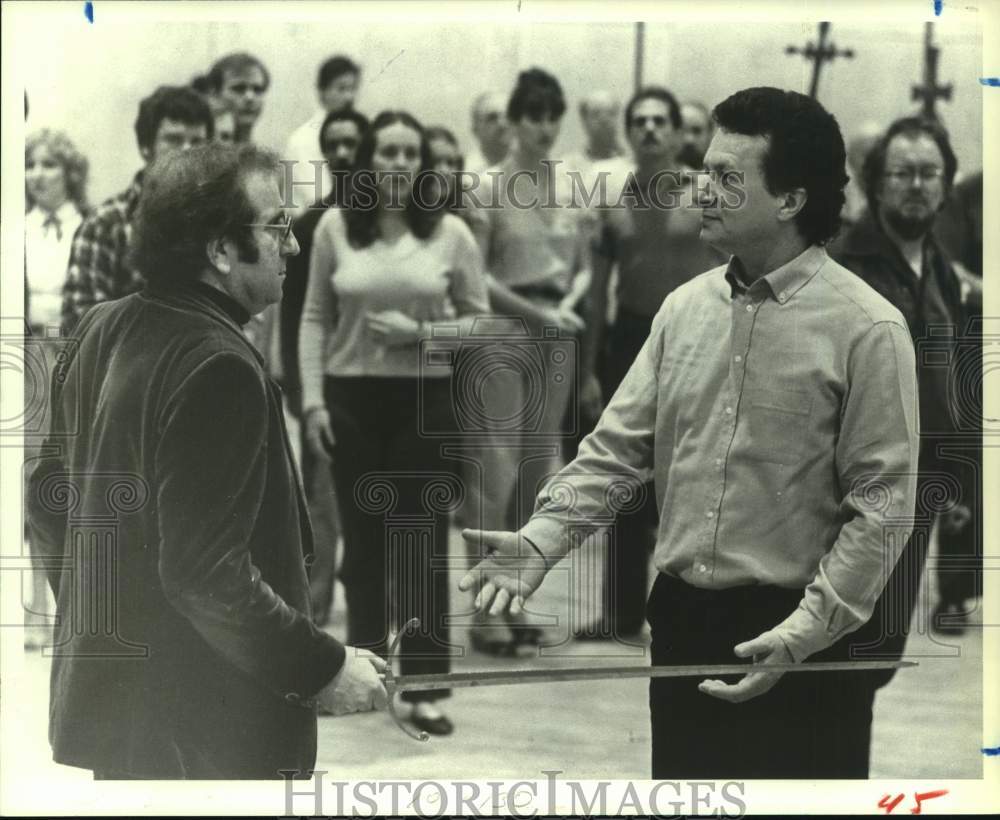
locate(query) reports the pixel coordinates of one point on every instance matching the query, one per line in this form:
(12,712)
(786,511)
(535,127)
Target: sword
(508,677)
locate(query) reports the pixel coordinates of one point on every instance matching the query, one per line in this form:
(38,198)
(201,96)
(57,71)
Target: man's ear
(146,152)
(791,203)
(218,252)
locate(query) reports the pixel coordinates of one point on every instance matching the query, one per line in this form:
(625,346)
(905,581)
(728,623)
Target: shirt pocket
(775,424)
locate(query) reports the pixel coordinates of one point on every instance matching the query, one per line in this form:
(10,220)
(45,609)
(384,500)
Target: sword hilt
(390,681)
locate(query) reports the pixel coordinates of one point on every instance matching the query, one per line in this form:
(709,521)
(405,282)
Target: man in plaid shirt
(171,119)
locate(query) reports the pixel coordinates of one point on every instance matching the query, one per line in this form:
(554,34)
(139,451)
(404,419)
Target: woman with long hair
(386,273)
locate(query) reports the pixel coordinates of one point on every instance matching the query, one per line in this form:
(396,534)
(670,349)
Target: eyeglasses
(285,226)
(902,176)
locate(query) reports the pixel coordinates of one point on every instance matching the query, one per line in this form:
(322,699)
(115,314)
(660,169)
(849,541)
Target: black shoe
(433,726)
(949,619)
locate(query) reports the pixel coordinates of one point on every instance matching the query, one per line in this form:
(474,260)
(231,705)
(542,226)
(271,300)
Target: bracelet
(545,561)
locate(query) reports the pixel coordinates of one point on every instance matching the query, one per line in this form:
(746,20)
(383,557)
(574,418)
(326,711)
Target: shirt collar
(783,282)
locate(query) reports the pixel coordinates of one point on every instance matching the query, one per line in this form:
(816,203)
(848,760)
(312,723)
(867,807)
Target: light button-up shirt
(800,388)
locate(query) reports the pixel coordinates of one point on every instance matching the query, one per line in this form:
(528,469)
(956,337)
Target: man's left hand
(764,649)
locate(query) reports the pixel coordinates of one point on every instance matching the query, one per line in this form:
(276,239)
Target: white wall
(89,79)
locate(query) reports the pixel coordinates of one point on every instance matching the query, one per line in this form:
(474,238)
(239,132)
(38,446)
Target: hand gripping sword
(507,677)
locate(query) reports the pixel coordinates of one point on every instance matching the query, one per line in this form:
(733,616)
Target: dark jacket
(172,508)
(928,304)
(867,251)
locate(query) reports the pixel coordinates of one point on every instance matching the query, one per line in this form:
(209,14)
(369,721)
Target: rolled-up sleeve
(876,460)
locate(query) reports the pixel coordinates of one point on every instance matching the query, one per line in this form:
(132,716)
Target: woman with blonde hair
(55,183)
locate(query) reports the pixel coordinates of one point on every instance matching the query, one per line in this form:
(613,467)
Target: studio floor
(927,724)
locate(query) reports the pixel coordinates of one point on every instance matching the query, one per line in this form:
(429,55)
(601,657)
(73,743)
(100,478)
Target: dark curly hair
(190,198)
(805,150)
(361,209)
(911,127)
(168,102)
(536,94)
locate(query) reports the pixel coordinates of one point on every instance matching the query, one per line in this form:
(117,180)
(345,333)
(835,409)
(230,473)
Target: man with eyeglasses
(907,178)
(185,646)
(653,250)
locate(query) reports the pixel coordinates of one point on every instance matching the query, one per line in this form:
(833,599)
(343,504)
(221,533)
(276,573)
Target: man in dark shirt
(170,512)
(654,250)
(907,178)
(339,137)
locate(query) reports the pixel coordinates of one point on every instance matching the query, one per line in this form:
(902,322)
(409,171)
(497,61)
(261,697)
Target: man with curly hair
(773,406)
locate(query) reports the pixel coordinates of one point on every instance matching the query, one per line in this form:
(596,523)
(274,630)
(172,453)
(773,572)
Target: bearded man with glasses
(907,177)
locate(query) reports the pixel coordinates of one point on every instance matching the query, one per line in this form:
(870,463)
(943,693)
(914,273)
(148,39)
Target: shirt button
(738,357)
(710,514)
(729,411)
(781,296)
(702,568)
(718,462)
(749,308)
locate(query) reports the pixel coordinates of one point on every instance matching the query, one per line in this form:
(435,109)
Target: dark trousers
(626,563)
(810,725)
(394,517)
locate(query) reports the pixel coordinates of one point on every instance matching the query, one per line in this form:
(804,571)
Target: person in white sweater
(384,275)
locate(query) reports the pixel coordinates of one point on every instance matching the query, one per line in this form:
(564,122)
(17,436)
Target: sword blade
(510,677)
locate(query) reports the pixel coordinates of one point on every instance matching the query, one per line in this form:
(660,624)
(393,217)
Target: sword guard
(390,682)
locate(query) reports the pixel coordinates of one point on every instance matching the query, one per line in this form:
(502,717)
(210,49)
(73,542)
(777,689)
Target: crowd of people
(613,297)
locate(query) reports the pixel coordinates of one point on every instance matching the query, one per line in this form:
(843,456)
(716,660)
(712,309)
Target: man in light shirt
(492,132)
(336,86)
(774,406)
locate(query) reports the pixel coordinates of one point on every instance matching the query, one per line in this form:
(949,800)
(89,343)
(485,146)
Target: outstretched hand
(510,572)
(764,649)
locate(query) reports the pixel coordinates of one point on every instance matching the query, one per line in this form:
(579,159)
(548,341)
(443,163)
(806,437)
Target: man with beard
(654,250)
(339,137)
(907,177)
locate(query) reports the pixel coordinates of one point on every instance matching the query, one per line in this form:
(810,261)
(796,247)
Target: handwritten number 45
(889,804)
